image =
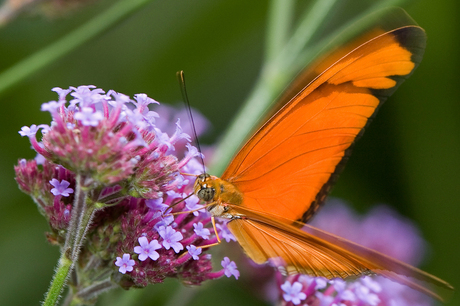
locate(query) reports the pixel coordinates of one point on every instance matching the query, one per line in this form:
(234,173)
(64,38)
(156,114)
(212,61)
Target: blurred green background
(408,158)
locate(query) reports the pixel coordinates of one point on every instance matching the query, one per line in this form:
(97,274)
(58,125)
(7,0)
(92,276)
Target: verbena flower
(381,229)
(60,188)
(147,249)
(230,268)
(126,263)
(293,292)
(171,238)
(194,251)
(131,173)
(201,231)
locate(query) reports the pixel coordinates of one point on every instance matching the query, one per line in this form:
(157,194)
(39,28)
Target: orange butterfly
(282,175)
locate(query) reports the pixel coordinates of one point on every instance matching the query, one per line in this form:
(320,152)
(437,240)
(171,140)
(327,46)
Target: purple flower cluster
(150,244)
(132,171)
(306,290)
(41,182)
(383,230)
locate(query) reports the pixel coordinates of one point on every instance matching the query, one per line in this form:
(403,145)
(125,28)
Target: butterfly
(282,175)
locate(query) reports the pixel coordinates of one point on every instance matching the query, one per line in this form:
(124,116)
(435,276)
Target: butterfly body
(218,193)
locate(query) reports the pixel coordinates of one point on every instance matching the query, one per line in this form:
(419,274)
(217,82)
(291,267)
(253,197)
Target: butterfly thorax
(218,193)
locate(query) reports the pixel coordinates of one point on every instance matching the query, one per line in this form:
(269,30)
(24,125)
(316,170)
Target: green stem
(95,289)
(309,24)
(276,73)
(83,226)
(82,212)
(59,280)
(71,41)
(280,17)
(78,209)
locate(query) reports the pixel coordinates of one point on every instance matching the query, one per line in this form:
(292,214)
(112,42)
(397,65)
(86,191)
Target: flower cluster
(109,149)
(383,230)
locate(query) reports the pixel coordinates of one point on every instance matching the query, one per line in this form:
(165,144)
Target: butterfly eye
(206,194)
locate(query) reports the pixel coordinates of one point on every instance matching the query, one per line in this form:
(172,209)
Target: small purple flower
(51,106)
(192,152)
(151,117)
(224,233)
(193,167)
(147,249)
(126,264)
(171,238)
(179,134)
(156,205)
(166,220)
(29,131)
(371,284)
(161,211)
(61,92)
(163,140)
(201,231)
(313,283)
(85,96)
(293,292)
(192,204)
(40,159)
(88,116)
(363,293)
(60,188)
(338,284)
(120,98)
(194,251)
(142,102)
(230,268)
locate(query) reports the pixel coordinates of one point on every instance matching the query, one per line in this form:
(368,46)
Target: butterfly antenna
(181,78)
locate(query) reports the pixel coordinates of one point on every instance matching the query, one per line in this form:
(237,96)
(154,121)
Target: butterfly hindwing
(314,252)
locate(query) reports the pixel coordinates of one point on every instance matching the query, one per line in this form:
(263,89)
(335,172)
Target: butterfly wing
(314,252)
(289,165)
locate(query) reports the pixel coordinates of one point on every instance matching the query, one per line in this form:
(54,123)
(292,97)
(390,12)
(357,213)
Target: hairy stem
(65,265)
(82,212)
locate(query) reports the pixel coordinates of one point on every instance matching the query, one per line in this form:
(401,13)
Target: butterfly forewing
(289,164)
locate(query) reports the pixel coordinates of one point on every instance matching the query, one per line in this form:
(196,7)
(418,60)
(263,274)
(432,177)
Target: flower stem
(78,209)
(59,280)
(95,289)
(82,213)
(280,19)
(276,73)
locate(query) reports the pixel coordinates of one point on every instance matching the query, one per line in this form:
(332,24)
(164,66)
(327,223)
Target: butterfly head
(205,188)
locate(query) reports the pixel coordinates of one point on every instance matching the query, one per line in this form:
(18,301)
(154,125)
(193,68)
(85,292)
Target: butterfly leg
(188,211)
(211,244)
(213,220)
(184,212)
(188,174)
